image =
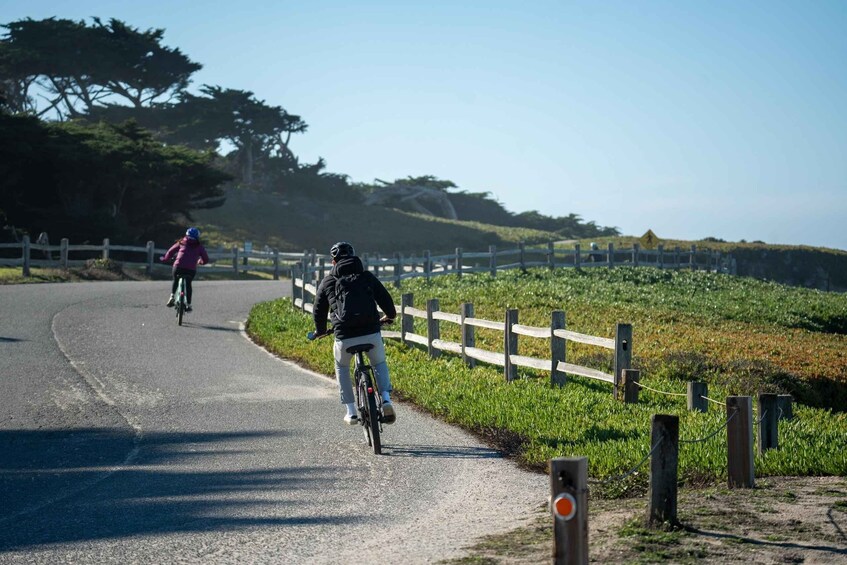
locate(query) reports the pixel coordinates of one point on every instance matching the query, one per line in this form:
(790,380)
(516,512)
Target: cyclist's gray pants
(343,361)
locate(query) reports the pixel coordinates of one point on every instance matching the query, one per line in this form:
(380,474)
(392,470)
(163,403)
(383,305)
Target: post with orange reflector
(569,505)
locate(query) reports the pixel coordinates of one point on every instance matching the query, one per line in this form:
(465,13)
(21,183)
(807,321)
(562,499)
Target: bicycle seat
(357,348)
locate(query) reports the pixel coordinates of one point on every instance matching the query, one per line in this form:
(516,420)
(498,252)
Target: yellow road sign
(649,240)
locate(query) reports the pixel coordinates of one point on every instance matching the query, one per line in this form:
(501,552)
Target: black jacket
(325,299)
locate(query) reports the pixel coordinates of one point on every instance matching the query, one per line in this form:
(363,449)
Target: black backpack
(354,301)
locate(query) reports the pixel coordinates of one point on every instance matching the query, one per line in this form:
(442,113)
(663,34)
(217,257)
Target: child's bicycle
(368,397)
(180,301)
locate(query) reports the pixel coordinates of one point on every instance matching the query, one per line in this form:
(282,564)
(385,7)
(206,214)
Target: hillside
(796,265)
(298,224)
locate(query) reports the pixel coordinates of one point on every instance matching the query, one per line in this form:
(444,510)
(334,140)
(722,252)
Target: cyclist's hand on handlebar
(385,320)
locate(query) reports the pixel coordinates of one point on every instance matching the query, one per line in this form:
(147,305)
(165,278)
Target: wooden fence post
(521,256)
(676,258)
(510,347)
(630,379)
(458,264)
(63,252)
(427,265)
(660,259)
(739,437)
(492,260)
(105,248)
(276,264)
(294,289)
(25,253)
(569,479)
(623,354)
(398,268)
(611,255)
(407,321)
(321,268)
(577,258)
(636,248)
(785,406)
(468,334)
(551,255)
(558,348)
(693,258)
(697,392)
(664,465)
(151,251)
(234,251)
(768,422)
(433,330)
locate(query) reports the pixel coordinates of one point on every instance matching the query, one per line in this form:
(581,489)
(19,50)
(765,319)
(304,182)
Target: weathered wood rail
(621,345)
(232,260)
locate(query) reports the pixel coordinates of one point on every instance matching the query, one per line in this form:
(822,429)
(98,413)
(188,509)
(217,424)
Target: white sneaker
(351,419)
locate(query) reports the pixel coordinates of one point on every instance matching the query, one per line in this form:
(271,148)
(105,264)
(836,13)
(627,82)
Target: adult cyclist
(349,295)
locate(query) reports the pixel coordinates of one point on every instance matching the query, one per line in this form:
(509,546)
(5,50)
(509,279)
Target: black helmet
(341,249)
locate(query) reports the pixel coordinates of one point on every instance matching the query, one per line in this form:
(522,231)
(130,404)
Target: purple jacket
(188,252)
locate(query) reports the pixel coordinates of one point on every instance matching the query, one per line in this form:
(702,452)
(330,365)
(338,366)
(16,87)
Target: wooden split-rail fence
(65,255)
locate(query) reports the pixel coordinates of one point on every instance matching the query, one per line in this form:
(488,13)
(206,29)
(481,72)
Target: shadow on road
(10,340)
(451,451)
(71,486)
(212,328)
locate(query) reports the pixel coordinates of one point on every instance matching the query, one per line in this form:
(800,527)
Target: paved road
(125,438)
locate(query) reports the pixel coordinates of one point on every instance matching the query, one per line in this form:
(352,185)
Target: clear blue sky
(693,119)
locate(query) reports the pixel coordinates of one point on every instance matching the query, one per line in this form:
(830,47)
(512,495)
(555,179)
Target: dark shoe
(188,308)
(170,302)
(388,415)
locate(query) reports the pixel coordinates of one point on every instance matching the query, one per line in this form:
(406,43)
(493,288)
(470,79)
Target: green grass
(674,331)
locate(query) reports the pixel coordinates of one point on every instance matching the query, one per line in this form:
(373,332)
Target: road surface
(125,438)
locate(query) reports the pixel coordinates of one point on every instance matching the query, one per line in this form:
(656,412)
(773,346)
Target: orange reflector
(564,506)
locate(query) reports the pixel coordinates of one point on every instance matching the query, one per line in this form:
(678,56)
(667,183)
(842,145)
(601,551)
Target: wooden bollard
(407,321)
(630,385)
(664,464)
(768,418)
(569,504)
(739,437)
(697,393)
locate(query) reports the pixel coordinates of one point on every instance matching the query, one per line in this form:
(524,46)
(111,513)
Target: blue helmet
(192,233)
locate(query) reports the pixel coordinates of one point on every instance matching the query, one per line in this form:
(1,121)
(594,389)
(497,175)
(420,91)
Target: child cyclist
(349,294)
(188,251)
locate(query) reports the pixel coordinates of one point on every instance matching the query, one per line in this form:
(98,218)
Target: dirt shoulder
(782,520)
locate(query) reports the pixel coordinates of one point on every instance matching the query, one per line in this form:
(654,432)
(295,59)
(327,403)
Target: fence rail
(222,260)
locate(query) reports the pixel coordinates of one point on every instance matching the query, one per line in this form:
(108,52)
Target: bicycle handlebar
(312,336)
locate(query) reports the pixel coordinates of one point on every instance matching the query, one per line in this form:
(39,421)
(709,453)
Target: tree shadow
(74,486)
(753,541)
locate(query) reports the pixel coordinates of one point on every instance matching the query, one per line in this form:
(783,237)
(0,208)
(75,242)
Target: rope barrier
(662,391)
(713,400)
(714,433)
(631,471)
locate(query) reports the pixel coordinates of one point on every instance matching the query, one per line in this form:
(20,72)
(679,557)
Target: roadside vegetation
(739,335)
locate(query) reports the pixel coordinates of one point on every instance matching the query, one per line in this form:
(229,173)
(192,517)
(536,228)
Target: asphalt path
(126,438)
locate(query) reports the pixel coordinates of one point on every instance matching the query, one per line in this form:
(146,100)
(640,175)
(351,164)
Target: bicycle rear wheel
(373,423)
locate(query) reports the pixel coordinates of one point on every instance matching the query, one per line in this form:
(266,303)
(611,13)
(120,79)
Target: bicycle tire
(373,423)
(180,311)
(362,396)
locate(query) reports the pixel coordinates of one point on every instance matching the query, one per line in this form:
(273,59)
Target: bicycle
(181,302)
(368,397)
